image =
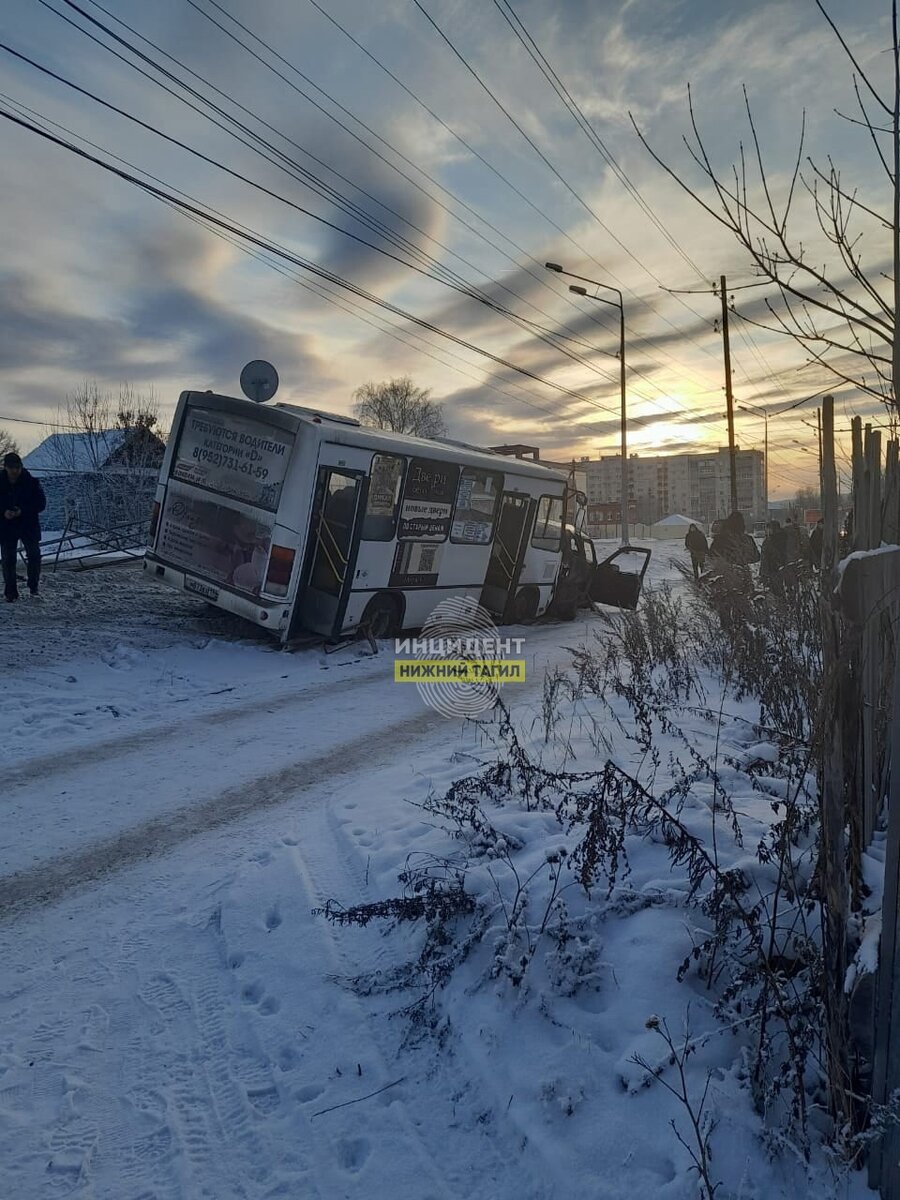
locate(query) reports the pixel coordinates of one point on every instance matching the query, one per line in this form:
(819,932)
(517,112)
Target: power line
(33,421)
(214,3)
(515,23)
(531,326)
(516,125)
(309,179)
(525,322)
(296,260)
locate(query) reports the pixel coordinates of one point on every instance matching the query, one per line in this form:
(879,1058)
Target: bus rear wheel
(381,618)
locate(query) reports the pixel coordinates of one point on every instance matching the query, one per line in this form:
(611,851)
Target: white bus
(300,521)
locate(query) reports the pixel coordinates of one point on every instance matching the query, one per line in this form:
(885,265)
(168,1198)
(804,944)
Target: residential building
(698,485)
(97,480)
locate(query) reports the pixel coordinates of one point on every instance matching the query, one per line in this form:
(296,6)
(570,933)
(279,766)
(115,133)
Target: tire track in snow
(50,880)
(64,761)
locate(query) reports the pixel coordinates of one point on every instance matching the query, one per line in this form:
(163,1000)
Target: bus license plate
(206,590)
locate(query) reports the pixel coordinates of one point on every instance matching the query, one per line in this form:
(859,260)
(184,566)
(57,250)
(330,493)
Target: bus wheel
(382,616)
(524,607)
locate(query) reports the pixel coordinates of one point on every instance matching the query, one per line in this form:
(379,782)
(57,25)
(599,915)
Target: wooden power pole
(729,398)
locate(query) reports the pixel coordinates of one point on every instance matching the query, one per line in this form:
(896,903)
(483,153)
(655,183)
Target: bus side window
(385,479)
(476,506)
(548,523)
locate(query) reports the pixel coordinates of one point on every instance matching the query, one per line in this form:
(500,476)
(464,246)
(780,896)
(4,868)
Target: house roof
(74,452)
(676,519)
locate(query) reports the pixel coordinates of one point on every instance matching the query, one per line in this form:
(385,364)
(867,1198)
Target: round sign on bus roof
(259,381)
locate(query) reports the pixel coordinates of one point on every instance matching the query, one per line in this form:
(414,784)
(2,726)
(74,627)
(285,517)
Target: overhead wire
(325,190)
(515,23)
(241,25)
(273,248)
(558,175)
(76,7)
(531,326)
(497,308)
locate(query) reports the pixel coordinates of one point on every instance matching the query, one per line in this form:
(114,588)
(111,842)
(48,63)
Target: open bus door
(507,553)
(331,552)
(619,583)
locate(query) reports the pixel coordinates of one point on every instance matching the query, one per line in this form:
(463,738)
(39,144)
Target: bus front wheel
(381,617)
(524,607)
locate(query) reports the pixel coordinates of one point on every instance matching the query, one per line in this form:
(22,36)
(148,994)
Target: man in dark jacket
(698,547)
(22,501)
(816,538)
(773,558)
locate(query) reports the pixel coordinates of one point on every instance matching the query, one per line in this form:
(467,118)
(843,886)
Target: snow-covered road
(173,1021)
(176,1024)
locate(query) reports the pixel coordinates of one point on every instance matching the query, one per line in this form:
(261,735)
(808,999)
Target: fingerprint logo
(459,629)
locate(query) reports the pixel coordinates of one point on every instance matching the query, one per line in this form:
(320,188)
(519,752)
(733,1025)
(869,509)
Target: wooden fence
(860,778)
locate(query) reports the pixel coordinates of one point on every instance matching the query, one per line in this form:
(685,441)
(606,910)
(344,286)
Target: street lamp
(751,408)
(620,305)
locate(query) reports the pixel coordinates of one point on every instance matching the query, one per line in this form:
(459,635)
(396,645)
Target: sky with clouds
(386,164)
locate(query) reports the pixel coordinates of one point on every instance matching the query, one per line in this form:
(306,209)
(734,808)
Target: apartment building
(694,485)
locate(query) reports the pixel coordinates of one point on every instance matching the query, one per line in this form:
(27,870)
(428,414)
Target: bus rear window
(243,459)
(385,478)
(548,523)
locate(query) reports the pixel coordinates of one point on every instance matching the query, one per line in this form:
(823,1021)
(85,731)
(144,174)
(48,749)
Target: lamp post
(620,305)
(751,408)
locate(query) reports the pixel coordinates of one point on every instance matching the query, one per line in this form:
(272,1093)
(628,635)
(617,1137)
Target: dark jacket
(774,558)
(816,538)
(695,541)
(26,494)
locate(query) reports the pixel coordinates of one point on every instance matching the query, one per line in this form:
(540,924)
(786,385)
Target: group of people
(785,551)
(22,501)
(730,544)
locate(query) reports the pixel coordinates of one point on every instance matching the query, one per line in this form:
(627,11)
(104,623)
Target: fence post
(884,1161)
(835,909)
(890,501)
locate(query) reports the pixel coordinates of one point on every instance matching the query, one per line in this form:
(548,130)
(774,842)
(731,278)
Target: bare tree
(400,406)
(841,311)
(106,451)
(7,444)
(807,498)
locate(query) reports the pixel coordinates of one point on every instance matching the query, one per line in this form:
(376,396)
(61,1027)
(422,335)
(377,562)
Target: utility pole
(821,466)
(729,399)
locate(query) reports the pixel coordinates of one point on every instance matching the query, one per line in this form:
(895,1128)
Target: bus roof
(348,431)
(459,452)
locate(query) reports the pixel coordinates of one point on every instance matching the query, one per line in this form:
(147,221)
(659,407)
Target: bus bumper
(269,614)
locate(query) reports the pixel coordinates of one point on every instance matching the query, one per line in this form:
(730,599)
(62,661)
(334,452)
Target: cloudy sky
(413,152)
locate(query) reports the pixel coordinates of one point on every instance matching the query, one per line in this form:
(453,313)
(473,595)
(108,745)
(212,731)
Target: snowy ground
(175,1023)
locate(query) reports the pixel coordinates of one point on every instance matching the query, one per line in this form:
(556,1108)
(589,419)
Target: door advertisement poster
(215,540)
(416,564)
(427,500)
(233,456)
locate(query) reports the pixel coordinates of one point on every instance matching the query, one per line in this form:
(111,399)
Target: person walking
(773,558)
(22,500)
(696,544)
(816,538)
